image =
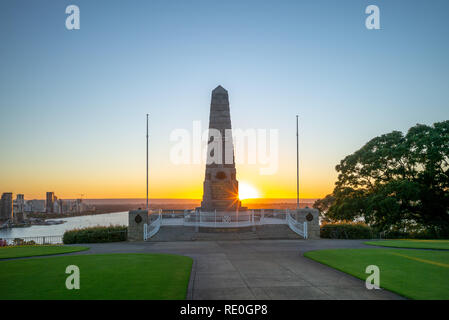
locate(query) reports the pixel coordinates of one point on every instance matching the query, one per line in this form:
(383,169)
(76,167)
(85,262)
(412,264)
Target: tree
(323,206)
(397,182)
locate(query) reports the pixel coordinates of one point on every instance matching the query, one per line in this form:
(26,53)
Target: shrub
(423,234)
(96,235)
(346,231)
(18,241)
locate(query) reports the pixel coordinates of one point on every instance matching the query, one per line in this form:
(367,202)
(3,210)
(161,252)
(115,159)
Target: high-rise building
(6,206)
(20,203)
(19,208)
(50,202)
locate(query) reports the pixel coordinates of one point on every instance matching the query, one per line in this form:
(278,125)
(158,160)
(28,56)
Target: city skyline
(73,103)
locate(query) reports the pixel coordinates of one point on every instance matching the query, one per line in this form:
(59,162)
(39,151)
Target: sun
(247,191)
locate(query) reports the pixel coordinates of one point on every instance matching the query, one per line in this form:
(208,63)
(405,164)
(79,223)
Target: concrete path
(258,269)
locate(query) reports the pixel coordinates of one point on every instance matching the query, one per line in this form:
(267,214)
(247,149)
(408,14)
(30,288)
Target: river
(107,219)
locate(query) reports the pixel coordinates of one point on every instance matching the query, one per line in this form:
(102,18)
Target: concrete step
(264,232)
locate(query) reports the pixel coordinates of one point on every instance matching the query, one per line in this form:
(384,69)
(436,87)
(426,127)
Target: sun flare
(247,191)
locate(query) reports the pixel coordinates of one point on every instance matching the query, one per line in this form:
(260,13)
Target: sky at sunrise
(73,102)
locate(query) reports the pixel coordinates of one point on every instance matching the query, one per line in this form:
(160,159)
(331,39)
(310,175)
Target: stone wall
(313,226)
(136,220)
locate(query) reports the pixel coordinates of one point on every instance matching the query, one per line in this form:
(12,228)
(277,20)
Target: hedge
(95,235)
(346,231)
(423,234)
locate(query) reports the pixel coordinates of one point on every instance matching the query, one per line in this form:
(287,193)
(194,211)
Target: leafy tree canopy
(396,181)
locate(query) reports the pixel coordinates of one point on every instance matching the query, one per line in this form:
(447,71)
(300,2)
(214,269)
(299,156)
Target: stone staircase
(264,232)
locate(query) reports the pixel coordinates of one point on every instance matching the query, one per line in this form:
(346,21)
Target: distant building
(57,206)
(19,209)
(35,206)
(19,204)
(50,202)
(71,206)
(50,205)
(64,206)
(6,206)
(61,206)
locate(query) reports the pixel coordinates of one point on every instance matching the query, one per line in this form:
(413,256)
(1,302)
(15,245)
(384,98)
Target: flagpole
(297,162)
(147,162)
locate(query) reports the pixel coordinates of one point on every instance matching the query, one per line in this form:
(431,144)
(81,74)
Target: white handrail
(299,228)
(231,219)
(153,228)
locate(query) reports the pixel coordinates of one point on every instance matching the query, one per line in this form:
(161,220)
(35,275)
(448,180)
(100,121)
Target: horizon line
(192,199)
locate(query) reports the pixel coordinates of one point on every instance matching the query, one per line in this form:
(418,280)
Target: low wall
(136,220)
(311,216)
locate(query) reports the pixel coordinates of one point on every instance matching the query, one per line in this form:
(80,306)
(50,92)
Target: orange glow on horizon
(167,181)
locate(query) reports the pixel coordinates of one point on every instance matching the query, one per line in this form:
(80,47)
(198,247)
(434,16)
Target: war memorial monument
(221,188)
(221,215)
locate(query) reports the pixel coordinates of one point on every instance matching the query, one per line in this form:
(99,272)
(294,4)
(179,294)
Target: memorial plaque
(220,191)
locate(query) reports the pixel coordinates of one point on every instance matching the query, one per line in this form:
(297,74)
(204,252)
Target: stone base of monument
(265,232)
(226,230)
(225,221)
(206,209)
(186,225)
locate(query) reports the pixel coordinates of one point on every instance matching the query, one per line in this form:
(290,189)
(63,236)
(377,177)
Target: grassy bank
(412,243)
(108,276)
(415,274)
(31,251)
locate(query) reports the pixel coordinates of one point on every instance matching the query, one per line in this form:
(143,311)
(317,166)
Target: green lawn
(104,276)
(417,244)
(416,274)
(17,252)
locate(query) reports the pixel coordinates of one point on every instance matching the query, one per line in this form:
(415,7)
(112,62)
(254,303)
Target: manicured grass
(412,243)
(415,274)
(30,251)
(104,276)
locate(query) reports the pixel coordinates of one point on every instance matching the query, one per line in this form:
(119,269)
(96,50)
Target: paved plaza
(257,269)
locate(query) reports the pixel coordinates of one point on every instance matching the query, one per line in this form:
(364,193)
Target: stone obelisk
(221,188)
